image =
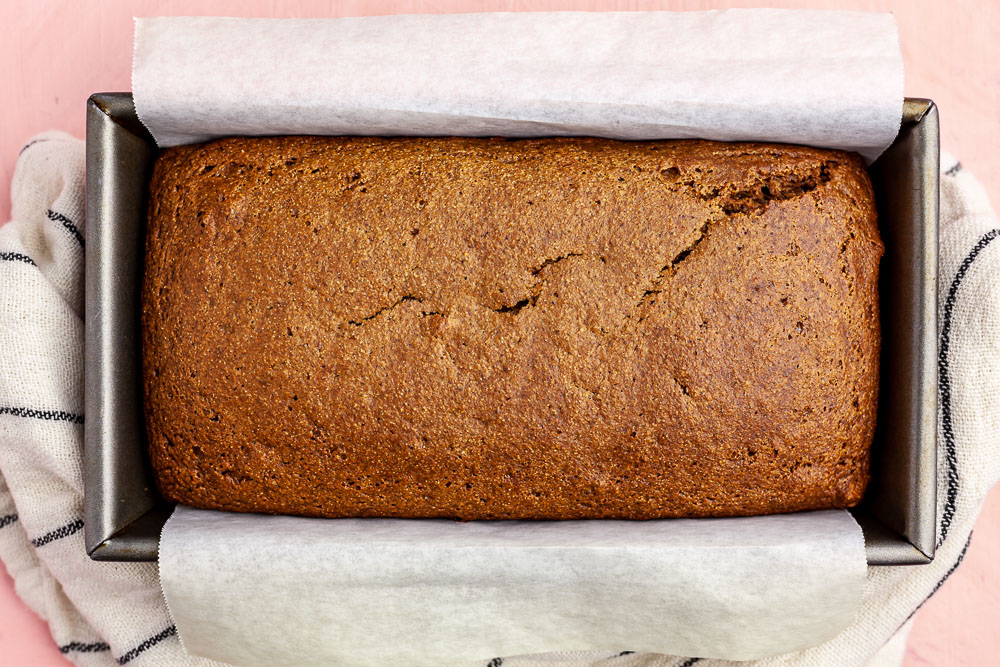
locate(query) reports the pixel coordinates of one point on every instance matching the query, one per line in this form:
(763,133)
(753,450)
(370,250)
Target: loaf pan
(124,513)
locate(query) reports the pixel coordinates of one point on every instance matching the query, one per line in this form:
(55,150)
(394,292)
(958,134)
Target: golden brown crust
(472,328)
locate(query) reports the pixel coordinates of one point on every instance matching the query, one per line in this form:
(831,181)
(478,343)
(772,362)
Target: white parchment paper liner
(260,590)
(278,590)
(824,78)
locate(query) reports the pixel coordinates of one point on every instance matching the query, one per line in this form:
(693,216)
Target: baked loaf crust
(487,328)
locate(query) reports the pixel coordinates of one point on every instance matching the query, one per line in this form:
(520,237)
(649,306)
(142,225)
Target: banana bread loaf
(530,329)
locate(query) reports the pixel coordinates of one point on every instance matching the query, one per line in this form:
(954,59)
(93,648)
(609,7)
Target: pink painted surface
(55,53)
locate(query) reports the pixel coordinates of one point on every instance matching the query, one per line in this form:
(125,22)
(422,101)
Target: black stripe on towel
(80,647)
(953,171)
(7,519)
(944,383)
(147,644)
(73,526)
(30,144)
(67,223)
(16,257)
(48,415)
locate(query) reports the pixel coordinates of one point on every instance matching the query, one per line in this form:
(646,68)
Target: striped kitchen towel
(113,613)
(98,613)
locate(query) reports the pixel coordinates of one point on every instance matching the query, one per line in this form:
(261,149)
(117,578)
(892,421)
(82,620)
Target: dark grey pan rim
(124,513)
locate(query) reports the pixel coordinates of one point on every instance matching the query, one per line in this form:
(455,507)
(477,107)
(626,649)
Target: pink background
(55,53)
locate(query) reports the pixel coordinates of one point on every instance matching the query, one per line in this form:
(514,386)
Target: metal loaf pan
(124,513)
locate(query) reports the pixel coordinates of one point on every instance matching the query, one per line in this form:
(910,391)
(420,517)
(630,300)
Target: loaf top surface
(487,328)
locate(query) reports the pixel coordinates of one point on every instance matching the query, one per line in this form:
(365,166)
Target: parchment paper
(260,590)
(264,590)
(830,79)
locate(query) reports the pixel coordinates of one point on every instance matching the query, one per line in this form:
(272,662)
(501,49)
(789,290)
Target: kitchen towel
(98,613)
(113,613)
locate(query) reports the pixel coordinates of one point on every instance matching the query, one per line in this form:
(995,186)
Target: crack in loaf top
(486,328)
